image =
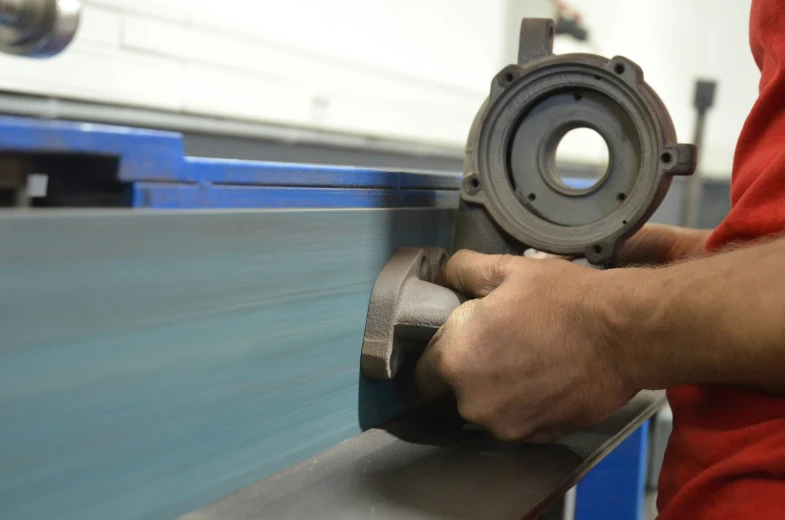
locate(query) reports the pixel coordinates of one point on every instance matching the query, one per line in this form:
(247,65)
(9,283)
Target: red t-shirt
(726,455)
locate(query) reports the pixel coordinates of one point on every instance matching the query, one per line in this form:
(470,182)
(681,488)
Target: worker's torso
(726,455)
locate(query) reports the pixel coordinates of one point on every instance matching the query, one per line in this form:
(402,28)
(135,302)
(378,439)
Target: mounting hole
(532,196)
(623,222)
(577,97)
(475,182)
(618,68)
(581,160)
(423,267)
(666,157)
(597,249)
(621,196)
(508,77)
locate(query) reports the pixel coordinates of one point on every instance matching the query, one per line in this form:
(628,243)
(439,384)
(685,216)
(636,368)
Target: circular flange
(512,146)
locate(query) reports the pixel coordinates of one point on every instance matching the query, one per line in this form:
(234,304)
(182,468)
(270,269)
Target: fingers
(475,274)
(438,361)
(427,374)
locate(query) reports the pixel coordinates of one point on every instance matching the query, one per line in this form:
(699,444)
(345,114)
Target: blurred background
(371,82)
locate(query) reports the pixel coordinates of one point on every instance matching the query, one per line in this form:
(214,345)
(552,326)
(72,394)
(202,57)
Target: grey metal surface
(154,361)
(38,28)
(407,307)
(703,100)
(659,433)
(509,169)
(417,470)
(321,146)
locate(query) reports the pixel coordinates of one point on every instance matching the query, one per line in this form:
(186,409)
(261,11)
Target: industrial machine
(207,364)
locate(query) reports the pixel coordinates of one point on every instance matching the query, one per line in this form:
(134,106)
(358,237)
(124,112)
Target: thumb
(475,274)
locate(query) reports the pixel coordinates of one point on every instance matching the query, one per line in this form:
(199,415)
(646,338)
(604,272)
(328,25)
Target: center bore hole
(582,158)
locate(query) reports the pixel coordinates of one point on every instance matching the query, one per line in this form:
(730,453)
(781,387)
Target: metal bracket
(407,308)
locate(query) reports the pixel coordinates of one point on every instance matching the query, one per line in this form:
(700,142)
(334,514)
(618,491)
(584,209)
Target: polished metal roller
(38,28)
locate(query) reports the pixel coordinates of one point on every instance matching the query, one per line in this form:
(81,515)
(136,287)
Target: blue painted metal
(615,488)
(161,176)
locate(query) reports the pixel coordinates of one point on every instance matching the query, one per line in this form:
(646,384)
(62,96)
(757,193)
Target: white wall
(408,69)
(415,70)
(675,42)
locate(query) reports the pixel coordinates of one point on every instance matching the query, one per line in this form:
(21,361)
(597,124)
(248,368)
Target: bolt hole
(475,183)
(597,249)
(532,196)
(618,68)
(508,77)
(624,222)
(621,196)
(423,267)
(666,157)
(577,97)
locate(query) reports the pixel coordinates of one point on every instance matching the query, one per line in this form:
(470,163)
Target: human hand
(530,358)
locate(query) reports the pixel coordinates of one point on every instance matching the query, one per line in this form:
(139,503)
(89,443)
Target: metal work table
(411,469)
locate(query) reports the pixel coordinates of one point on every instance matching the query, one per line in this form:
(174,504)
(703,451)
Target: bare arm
(719,319)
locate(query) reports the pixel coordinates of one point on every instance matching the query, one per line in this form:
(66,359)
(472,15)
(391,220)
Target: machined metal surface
(423,470)
(510,171)
(152,362)
(38,28)
(407,308)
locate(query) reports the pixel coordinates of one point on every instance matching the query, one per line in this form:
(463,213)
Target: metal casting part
(407,307)
(416,469)
(38,28)
(510,172)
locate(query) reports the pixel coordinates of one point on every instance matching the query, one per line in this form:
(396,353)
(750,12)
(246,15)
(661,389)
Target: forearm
(662,244)
(719,319)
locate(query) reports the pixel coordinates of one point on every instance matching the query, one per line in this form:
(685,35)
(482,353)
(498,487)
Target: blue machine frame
(156,174)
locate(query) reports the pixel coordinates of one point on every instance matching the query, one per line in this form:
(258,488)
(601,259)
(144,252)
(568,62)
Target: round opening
(621,196)
(532,196)
(508,77)
(582,159)
(597,249)
(619,68)
(666,157)
(475,182)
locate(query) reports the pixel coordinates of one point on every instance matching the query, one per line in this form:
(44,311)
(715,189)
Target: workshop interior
(223,228)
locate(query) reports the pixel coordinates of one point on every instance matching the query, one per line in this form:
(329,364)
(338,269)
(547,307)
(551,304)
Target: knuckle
(471,413)
(503,265)
(449,367)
